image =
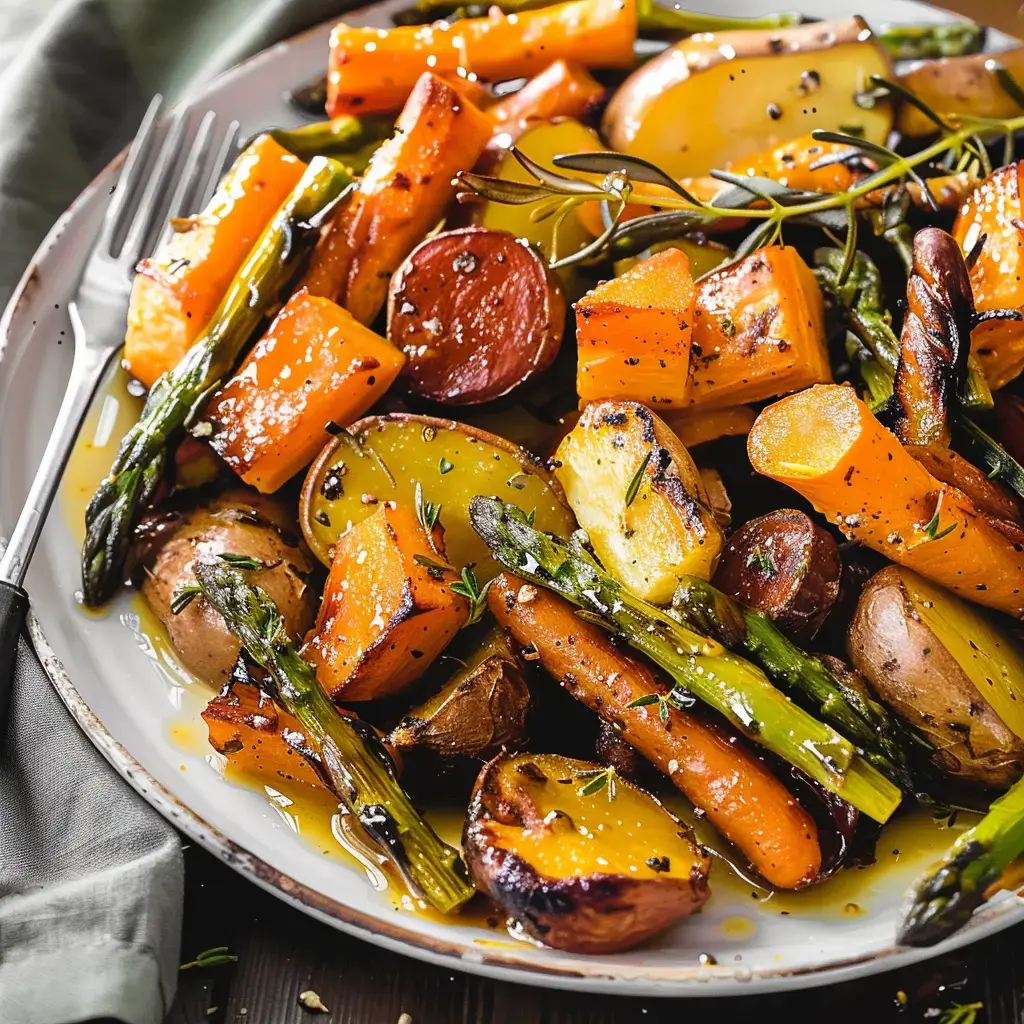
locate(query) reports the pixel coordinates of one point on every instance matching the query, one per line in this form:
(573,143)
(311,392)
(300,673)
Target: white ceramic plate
(144,718)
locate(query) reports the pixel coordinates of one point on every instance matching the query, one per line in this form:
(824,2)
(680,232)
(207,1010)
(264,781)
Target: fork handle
(13,609)
(87,371)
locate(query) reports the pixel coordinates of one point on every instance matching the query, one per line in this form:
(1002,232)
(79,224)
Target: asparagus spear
(353,139)
(710,611)
(178,398)
(651,15)
(359,769)
(920,42)
(944,899)
(702,668)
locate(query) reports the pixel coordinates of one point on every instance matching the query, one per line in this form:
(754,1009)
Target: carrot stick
(373,70)
(826,444)
(178,289)
(563,89)
(713,768)
(402,195)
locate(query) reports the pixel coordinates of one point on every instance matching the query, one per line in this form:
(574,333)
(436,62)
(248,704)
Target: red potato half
(476,312)
(582,865)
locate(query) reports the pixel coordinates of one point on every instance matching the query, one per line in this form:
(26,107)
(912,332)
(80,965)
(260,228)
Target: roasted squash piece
(715,97)
(828,446)
(580,866)
(701,424)
(478,712)
(634,334)
(715,770)
(315,365)
(373,70)
(759,330)
(959,85)
(635,490)
(247,727)
(388,609)
(798,164)
(994,211)
(400,198)
(178,289)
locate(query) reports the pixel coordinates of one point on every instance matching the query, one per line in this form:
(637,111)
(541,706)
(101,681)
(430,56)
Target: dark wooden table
(281,953)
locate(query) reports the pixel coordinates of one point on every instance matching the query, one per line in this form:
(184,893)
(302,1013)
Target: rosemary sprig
(469,587)
(638,478)
(960,145)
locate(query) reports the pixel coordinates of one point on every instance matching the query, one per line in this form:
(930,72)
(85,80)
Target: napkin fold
(91,877)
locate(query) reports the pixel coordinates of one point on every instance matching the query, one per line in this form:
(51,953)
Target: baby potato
(637,493)
(924,653)
(480,710)
(581,859)
(452,462)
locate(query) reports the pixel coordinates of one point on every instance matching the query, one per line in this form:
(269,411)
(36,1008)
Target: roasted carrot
(247,727)
(388,609)
(401,197)
(373,70)
(315,365)
(714,768)
(177,290)
(759,330)
(994,211)
(634,334)
(826,444)
(948,466)
(563,89)
(801,163)
(700,425)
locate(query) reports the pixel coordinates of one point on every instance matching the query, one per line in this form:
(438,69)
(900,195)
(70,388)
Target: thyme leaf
(638,478)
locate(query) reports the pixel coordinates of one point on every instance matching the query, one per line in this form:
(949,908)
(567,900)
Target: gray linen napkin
(90,876)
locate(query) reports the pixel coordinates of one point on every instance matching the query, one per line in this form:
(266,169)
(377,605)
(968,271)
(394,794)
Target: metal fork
(155,183)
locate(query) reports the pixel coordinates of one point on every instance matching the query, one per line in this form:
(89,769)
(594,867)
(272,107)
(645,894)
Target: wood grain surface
(282,953)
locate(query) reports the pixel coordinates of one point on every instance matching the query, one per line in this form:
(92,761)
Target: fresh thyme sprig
(469,587)
(597,779)
(661,699)
(958,149)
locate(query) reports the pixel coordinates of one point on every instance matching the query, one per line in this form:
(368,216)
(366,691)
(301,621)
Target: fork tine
(130,176)
(188,177)
(223,159)
(153,204)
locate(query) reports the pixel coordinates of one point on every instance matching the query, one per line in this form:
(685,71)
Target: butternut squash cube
(315,365)
(759,330)
(388,610)
(634,334)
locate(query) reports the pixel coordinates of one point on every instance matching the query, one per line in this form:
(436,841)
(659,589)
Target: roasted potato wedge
(959,85)
(476,313)
(581,866)
(238,521)
(716,97)
(925,652)
(637,493)
(786,566)
(382,458)
(478,712)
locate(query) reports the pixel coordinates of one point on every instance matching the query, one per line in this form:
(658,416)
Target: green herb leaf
(469,588)
(638,478)
(643,701)
(932,528)
(444,466)
(764,560)
(184,596)
(635,167)
(245,563)
(427,513)
(961,1013)
(210,958)
(598,779)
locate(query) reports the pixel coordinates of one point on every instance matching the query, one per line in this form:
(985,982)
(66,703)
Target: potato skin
(785,565)
(477,313)
(911,671)
(238,521)
(599,913)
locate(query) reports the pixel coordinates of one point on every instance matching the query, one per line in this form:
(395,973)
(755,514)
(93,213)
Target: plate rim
(682,982)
